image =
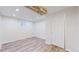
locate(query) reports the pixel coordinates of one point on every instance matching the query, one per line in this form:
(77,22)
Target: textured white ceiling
(53,9)
(25,13)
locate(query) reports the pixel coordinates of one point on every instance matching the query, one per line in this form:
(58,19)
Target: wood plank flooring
(30,45)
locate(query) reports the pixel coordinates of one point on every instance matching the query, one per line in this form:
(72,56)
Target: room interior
(39,28)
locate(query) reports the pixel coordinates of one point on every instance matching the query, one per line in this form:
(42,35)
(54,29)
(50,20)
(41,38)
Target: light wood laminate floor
(30,45)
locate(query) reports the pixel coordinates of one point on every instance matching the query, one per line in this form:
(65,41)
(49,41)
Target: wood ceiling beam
(38,9)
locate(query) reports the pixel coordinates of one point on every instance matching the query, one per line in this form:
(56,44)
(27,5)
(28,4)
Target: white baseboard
(15,39)
(68,50)
(48,42)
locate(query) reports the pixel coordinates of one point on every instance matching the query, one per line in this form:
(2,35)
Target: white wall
(58,29)
(13,29)
(52,29)
(72,29)
(0,31)
(40,29)
(63,25)
(43,30)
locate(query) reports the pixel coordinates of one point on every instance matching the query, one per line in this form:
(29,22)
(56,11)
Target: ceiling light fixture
(17,9)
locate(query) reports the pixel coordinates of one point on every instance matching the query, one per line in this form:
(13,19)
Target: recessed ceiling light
(17,9)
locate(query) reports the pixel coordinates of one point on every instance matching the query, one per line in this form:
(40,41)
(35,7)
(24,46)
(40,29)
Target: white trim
(68,50)
(48,42)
